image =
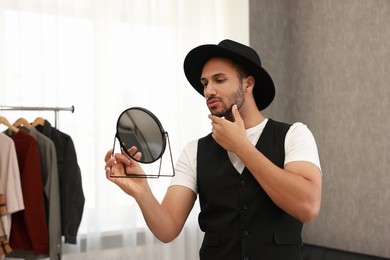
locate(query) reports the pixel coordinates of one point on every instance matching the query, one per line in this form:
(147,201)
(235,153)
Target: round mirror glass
(139,127)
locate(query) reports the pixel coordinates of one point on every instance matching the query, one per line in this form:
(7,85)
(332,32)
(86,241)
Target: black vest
(239,219)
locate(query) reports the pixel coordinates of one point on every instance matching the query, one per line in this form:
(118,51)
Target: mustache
(213,97)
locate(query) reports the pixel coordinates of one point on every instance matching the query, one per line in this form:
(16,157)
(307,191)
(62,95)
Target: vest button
(242,182)
(245,258)
(245,233)
(244,206)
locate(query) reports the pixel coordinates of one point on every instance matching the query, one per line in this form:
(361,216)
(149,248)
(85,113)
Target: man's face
(222,86)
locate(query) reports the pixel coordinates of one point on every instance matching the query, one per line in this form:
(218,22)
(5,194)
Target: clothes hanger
(4,121)
(38,121)
(22,122)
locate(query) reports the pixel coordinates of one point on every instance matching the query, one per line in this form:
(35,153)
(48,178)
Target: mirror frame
(159,125)
(165,138)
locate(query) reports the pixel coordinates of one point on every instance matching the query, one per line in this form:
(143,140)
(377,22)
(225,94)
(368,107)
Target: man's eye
(220,81)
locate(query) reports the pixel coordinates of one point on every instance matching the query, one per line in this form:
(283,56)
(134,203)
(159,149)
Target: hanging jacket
(50,183)
(29,229)
(70,182)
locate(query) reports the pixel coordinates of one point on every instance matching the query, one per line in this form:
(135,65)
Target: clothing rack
(55,109)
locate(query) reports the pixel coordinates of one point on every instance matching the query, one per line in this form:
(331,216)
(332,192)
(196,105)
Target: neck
(251,116)
(253,119)
(250,113)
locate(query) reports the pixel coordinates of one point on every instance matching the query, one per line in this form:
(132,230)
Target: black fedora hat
(264,90)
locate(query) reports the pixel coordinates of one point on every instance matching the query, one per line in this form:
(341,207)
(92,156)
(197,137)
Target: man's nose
(209,90)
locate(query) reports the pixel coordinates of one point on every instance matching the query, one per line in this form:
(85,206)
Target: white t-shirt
(299,145)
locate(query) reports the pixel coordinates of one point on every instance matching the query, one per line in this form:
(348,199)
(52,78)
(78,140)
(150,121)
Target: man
(258,180)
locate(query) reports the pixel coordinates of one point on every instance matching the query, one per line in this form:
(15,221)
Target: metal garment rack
(55,109)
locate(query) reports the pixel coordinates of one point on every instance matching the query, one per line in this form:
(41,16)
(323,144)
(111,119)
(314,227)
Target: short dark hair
(241,71)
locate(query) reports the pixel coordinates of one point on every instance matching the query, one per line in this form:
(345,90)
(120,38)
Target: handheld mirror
(137,126)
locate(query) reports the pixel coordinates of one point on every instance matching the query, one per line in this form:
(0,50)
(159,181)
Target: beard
(238,98)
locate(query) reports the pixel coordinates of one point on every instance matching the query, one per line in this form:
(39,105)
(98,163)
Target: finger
(235,112)
(132,150)
(129,153)
(114,168)
(215,119)
(112,173)
(122,158)
(109,167)
(108,155)
(108,172)
(138,156)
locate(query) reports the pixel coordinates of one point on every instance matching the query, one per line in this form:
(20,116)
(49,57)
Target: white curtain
(103,56)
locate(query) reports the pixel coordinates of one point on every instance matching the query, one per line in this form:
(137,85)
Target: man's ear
(249,84)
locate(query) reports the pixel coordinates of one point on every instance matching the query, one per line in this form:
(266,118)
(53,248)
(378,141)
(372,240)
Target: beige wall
(330,61)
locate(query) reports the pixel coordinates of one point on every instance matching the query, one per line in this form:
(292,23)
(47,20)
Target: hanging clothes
(29,230)
(51,196)
(51,187)
(4,244)
(70,182)
(10,185)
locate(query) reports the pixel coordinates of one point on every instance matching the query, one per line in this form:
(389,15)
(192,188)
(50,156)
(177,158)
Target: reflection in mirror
(139,127)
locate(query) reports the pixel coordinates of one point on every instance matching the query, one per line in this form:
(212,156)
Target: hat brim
(264,90)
